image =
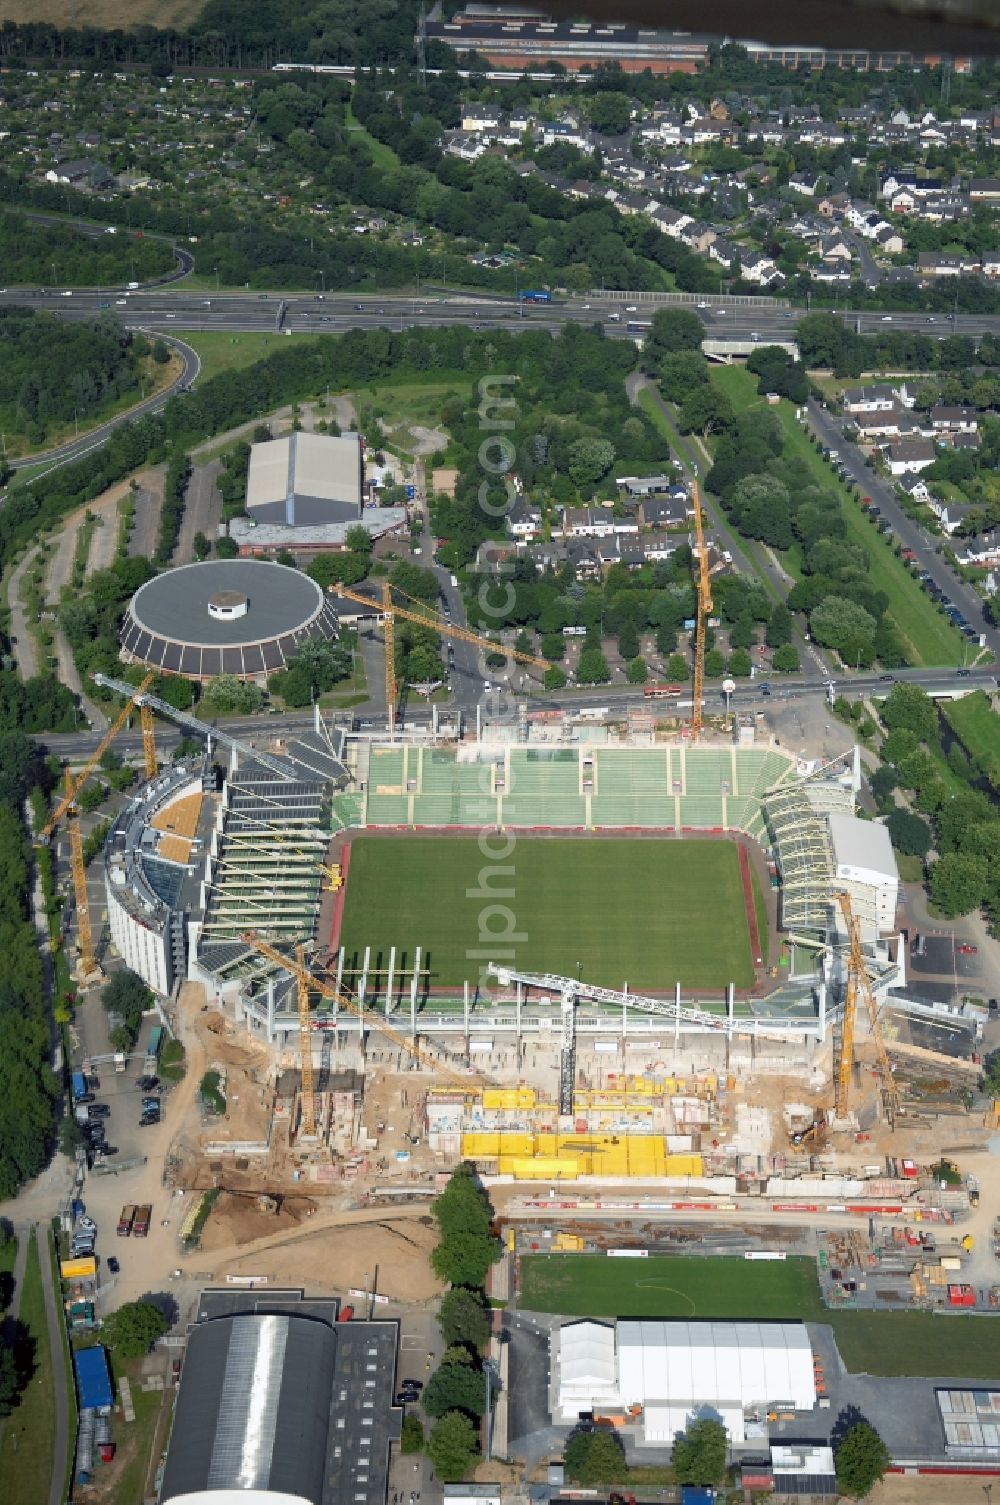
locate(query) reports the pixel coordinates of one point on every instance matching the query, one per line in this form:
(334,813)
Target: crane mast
(859,982)
(389,611)
(704,611)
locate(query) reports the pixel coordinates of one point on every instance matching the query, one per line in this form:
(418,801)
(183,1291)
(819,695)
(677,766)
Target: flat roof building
(306,479)
(865,865)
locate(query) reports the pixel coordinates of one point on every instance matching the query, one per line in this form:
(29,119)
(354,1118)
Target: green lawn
(977,726)
(29,1432)
(929,636)
(220,351)
(886,1343)
(651,912)
(383,157)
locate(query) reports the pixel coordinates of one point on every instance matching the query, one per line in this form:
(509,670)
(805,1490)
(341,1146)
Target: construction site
(348,1076)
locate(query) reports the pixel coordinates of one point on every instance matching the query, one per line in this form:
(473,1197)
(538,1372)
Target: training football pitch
(690,1288)
(646,912)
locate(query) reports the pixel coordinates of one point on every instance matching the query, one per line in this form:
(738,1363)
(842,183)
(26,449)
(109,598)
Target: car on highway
(765,689)
(963,673)
(968,950)
(888,678)
(887,318)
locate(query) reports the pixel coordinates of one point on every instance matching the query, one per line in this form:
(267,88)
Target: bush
(412,1436)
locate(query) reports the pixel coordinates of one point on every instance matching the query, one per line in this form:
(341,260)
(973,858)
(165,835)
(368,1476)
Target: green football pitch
(646,912)
(726,1289)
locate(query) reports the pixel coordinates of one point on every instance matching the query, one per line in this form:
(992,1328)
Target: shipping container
(93,1381)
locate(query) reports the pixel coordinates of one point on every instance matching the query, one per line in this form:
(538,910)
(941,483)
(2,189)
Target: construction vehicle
(126,1218)
(388,611)
(814,1130)
(308,982)
(858,981)
(68,807)
(704,611)
(143,1218)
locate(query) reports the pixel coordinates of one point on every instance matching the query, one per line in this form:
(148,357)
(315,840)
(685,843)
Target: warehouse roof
(253,1409)
(861,843)
(305,478)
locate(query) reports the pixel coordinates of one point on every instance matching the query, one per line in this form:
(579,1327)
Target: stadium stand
(796,818)
(632,788)
(387,802)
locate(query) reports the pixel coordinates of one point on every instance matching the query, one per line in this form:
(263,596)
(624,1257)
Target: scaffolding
(796,817)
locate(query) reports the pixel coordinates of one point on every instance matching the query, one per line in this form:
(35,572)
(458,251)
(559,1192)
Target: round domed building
(225,616)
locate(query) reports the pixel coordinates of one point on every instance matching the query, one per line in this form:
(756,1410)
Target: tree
(134,1328)
(609,112)
(861,1459)
(786,659)
(779,626)
(740,663)
(958,883)
(677,667)
(911,708)
(455,1387)
(463,1317)
(593,668)
(452,1447)
(637,673)
(466,1248)
(703,409)
(699,1457)
(225,695)
(672,329)
(681,372)
(202,547)
(628,641)
(840,623)
(589,460)
(554,678)
(358,539)
(715,664)
(909,834)
(411,1438)
(595,1458)
(10,1380)
(226,547)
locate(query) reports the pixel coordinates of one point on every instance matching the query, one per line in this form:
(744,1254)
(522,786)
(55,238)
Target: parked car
(114,1265)
(99,1110)
(968,950)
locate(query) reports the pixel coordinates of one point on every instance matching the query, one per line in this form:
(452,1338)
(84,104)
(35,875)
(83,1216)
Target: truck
(532,295)
(153,1050)
(79,1082)
(125,1220)
(119,1060)
(78,1269)
(143,1215)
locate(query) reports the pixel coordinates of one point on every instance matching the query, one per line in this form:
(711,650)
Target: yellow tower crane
(389,611)
(69,807)
(704,611)
(858,981)
(308,981)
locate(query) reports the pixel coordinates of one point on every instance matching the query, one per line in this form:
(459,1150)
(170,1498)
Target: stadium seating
(387,802)
(632,788)
(544,788)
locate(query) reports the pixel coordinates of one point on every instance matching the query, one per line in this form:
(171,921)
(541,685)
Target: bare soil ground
(110,13)
(148,502)
(943,1489)
(202,510)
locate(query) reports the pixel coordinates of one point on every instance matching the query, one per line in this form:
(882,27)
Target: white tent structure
(676,1370)
(584,1369)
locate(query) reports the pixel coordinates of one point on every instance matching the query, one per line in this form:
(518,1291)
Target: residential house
(698,236)
(81,173)
(524,520)
(480,118)
(643,486)
(724,252)
(945,264)
(756,267)
(889,240)
(950,515)
(979,549)
(991,263)
(984,190)
(916,488)
(909,456)
(461,144)
(659,546)
(877,399)
(950,420)
(595,522)
(665,511)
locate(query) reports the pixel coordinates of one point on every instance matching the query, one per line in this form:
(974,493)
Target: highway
(169,305)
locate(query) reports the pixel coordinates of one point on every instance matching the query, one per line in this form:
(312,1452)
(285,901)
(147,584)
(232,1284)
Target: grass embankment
(28,1437)
(977,726)
(929,637)
(883,1343)
(579,904)
(219,351)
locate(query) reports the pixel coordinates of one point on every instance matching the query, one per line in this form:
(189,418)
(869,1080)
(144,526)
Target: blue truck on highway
(532,295)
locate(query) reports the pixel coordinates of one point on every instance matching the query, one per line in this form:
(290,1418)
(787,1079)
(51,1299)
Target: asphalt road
(75,449)
(909,533)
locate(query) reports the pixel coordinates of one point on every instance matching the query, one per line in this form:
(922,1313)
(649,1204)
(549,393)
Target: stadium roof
(253,1409)
(175,604)
(306,478)
(863,844)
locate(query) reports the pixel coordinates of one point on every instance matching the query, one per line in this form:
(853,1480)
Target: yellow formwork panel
(683,1165)
(509,1098)
(536,1156)
(538,1169)
(480,1146)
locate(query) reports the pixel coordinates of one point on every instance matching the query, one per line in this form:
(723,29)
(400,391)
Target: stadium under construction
(221,875)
